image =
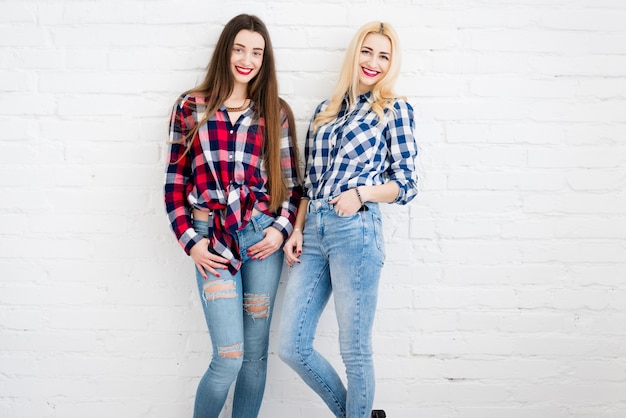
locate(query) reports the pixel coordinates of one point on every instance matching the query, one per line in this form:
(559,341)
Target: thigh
(308,287)
(259,277)
(222,302)
(221,299)
(356,258)
(260,280)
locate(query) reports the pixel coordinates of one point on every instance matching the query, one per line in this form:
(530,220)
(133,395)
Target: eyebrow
(371,49)
(243,46)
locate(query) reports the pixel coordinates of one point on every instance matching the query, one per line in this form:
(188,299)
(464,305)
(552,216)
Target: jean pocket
(378,233)
(261,221)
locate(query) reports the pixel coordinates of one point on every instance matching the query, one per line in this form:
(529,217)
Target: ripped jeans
(238,311)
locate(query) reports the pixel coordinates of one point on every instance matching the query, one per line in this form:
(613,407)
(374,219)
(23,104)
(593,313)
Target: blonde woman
(360,151)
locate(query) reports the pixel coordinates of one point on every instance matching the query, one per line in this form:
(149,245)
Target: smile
(243,70)
(370,73)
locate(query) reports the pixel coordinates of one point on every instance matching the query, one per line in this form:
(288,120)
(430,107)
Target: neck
(362,90)
(240,93)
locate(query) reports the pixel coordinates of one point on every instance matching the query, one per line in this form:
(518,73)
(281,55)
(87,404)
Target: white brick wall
(504,292)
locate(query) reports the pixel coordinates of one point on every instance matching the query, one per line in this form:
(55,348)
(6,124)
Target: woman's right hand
(205,260)
(293,247)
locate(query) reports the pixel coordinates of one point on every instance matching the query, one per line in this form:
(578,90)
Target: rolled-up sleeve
(400,137)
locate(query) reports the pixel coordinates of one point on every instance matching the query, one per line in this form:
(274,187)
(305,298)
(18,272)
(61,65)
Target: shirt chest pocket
(362,142)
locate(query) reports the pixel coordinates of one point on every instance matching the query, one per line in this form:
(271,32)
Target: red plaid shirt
(223,172)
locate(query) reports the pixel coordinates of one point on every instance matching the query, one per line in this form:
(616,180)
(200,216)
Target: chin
(367,86)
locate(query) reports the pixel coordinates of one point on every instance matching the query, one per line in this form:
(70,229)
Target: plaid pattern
(354,150)
(223,172)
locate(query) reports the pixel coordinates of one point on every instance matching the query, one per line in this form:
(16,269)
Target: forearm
(301,216)
(384,193)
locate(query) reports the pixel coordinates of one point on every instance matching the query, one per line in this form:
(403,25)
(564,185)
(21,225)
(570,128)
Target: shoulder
(401,104)
(321,106)
(400,111)
(324,103)
(285,108)
(286,113)
(190,101)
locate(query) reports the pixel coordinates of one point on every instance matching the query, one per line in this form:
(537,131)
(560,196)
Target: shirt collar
(361,98)
(366,97)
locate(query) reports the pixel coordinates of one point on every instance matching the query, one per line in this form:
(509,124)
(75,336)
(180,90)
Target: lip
(369,73)
(243,70)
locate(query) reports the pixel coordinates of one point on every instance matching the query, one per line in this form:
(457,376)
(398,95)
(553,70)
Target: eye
(384,57)
(365,51)
(258,54)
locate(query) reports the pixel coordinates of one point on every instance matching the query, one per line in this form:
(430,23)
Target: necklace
(245,105)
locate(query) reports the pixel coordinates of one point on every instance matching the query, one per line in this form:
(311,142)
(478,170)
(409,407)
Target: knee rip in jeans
(217,289)
(257,306)
(230,351)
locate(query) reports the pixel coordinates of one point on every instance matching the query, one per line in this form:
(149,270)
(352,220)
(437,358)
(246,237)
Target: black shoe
(378,413)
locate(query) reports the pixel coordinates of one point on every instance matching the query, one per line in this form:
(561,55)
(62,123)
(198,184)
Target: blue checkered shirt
(355,150)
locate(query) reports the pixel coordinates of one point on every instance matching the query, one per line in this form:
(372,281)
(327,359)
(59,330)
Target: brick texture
(504,290)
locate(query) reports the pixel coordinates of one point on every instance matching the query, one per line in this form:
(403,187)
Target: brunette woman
(231,194)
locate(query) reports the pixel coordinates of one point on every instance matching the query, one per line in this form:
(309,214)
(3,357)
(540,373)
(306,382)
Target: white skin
(373,65)
(246,59)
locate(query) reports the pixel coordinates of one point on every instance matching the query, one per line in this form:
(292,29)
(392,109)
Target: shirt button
(230,156)
(231,131)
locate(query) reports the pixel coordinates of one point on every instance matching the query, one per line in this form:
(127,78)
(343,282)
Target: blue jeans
(238,309)
(344,255)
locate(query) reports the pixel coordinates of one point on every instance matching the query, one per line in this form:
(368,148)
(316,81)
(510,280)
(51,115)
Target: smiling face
(246,57)
(374,61)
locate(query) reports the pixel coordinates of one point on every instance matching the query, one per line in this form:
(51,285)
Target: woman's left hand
(347,203)
(268,245)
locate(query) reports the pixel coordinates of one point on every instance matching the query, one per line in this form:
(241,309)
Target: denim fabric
(238,311)
(344,255)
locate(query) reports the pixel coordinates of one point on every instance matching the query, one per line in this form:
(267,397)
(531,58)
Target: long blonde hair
(348,83)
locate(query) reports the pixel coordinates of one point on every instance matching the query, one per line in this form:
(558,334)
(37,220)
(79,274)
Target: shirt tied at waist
(230,218)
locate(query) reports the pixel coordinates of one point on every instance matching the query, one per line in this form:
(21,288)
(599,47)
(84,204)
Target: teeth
(370,73)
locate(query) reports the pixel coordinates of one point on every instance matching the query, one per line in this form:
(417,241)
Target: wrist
(360,194)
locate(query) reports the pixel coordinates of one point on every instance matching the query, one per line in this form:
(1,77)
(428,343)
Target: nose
(247,58)
(372,61)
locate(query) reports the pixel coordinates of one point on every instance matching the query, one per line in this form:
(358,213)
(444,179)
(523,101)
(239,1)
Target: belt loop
(255,224)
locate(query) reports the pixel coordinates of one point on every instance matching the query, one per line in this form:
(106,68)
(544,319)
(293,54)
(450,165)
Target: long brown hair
(218,84)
